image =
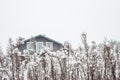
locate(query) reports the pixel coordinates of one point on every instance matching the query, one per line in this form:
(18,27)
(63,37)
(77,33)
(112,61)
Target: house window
(29,45)
(39,46)
(49,45)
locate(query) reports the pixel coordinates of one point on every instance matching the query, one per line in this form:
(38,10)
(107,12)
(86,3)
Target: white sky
(60,19)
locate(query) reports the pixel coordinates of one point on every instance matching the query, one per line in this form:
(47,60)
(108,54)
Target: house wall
(56,46)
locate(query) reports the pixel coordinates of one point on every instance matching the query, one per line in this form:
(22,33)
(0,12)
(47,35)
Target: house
(40,41)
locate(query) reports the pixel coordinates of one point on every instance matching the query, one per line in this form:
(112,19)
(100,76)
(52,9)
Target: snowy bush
(88,62)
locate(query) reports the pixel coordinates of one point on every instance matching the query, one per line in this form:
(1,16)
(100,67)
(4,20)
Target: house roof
(44,37)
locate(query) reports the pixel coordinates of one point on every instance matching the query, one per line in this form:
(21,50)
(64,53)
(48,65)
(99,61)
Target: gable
(44,40)
(41,38)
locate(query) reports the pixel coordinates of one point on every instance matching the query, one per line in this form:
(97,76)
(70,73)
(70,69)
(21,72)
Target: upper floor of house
(40,41)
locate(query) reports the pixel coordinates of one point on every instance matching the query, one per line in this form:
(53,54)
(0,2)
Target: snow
(67,64)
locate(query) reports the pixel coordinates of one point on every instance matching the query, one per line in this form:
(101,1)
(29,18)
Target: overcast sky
(60,20)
